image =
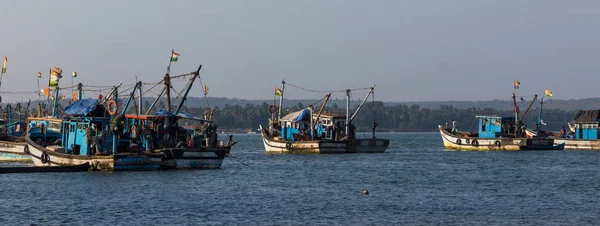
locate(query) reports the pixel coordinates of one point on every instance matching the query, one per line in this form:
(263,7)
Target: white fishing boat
(307,131)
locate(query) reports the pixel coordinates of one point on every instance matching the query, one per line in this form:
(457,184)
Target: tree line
(402,118)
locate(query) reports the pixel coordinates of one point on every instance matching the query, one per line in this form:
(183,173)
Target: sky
(410,50)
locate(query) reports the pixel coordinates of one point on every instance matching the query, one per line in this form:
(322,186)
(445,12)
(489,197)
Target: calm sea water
(414,183)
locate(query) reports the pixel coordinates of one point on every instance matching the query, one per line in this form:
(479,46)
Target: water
(414,183)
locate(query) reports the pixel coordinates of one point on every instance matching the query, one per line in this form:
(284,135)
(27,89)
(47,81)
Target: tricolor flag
(516,84)
(55,75)
(278,91)
(74,74)
(548,93)
(39,74)
(174,56)
(4,66)
(205,90)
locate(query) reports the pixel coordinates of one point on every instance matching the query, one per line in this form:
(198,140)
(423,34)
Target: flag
(548,93)
(46,91)
(542,121)
(278,91)
(205,90)
(4,66)
(517,83)
(74,98)
(74,74)
(55,75)
(39,74)
(174,56)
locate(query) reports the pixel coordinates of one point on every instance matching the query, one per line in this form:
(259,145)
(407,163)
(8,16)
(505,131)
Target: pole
(80,89)
(38,90)
(312,130)
(115,137)
(55,102)
(347,113)
(281,99)
(539,121)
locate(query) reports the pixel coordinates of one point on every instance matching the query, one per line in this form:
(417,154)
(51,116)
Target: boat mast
(55,102)
(115,144)
(516,108)
(137,85)
(140,99)
(195,75)
(539,121)
(167,83)
(281,99)
(347,129)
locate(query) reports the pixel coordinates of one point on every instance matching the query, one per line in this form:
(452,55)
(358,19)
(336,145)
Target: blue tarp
(188,116)
(165,113)
(305,115)
(81,107)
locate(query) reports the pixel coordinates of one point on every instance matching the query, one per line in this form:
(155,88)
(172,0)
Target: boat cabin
(495,126)
(585,124)
(163,130)
(86,129)
(296,126)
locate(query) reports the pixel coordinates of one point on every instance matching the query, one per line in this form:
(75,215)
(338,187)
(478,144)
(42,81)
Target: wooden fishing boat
(306,131)
(180,148)
(493,136)
(87,136)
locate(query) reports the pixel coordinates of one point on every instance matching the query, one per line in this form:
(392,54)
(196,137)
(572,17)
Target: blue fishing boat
(160,133)
(309,131)
(86,134)
(497,133)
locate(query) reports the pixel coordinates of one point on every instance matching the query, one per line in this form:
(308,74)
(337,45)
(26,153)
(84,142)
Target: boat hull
(303,147)
(13,152)
(368,145)
(480,144)
(452,141)
(573,144)
(45,157)
(197,158)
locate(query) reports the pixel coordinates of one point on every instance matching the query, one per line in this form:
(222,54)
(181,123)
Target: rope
(324,91)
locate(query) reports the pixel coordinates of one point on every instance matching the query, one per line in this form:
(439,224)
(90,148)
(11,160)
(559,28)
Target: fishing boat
(583,132)
(199,148)
(307,131)
(12,144)
(87,134)
(497,133)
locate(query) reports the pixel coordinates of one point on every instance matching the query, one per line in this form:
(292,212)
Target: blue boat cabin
(296,126)
(489,126)
(585,124)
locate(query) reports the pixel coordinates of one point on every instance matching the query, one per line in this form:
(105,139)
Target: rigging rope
(325,91)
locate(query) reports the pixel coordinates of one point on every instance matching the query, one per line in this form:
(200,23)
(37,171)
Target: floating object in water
(365,192)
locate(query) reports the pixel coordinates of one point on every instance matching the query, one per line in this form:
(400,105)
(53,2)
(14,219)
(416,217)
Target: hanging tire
(45,158)
(289,145)
(458,141)
(26,149)
(498,143)
(475,143)
(467,141)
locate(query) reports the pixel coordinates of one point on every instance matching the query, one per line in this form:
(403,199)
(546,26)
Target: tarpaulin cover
(165,113)
(297,116)
(81,107)
(587,116)
(188,116)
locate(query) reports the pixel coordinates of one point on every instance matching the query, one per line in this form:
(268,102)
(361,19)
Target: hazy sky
(411,50)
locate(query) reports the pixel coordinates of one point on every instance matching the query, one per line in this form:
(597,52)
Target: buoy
(365,192)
